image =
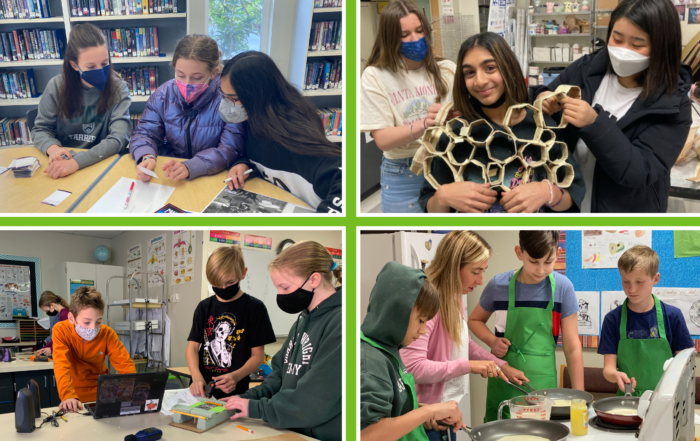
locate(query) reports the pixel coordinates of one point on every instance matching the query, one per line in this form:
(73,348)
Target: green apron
(417,434)
(529,331)
(643,359)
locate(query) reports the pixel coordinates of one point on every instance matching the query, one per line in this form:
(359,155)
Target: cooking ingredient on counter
(561,403)
(622,411)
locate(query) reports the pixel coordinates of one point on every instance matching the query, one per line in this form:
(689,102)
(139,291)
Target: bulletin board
(675,273)
(20,285)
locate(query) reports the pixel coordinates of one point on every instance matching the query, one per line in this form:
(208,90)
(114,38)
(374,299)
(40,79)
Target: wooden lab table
(24,195)
(22,364)
(115,429)
(184,372)
(192,195)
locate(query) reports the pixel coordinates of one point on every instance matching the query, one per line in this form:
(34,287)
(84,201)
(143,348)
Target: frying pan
(496,430)
(627,401)
(564,394)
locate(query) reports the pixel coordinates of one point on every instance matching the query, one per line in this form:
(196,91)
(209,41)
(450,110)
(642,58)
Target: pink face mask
(191,92)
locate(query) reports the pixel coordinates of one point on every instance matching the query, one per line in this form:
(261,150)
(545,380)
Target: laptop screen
(129,394)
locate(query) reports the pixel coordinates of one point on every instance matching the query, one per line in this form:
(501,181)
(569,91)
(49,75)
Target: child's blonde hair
(456,249)
(198,47)
(48,297)
(639,256)
(86,297)
(305,258)
(224,262)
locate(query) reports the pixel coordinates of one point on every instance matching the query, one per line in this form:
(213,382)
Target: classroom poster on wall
(685,299)
(15,291)
(257,242)
(79,283)
(588,312)
(156,261)
(498,15)
(182,257)
(610,300)
(133,261)
(227,237)
(602,248)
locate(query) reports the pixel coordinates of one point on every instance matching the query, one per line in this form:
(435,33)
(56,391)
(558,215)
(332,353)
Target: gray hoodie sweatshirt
(104,135)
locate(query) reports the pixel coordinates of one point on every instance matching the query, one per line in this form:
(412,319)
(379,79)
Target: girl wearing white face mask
(634,115)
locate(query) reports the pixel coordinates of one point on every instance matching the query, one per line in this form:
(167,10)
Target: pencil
(244,428)
(126,204)
(250,170)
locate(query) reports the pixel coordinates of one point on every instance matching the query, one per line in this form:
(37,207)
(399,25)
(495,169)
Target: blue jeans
(434,435)
(400,186)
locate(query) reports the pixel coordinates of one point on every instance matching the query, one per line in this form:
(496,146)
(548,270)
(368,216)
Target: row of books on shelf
(135,118)
(326,36)
(332,120)
(328,3)
(92,8)
(133,42)
(14,131)
(32,44)
(323,75)
(17,84)
(24,9)
(140,80)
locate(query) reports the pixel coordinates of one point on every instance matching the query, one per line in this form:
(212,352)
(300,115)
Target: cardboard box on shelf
(603,19)
(608,4)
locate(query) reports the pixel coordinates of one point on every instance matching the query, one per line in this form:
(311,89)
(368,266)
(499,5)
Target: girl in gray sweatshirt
(85,107)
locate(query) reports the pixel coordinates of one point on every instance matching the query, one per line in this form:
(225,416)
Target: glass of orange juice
(579,417)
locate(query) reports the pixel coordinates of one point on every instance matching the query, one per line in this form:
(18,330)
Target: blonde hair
(48,297)
(86,297)
(223,262)
(456,249)
(305,258)
(198,47)
(639,256)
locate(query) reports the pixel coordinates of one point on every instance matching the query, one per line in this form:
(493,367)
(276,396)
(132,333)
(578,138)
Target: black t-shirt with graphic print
(227,331)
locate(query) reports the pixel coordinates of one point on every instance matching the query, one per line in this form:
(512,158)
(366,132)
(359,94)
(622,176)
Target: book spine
(18,51)
(27,44)
(145,7)
(152,78)
(60,35)
(156,46)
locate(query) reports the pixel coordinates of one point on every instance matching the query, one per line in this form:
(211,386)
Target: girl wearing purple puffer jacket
(182,119)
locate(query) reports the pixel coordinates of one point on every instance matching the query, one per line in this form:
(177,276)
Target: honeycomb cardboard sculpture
(476,152)
(208,413)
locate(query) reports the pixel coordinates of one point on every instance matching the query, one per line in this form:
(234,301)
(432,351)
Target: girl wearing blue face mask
(86,107)
(634,114)
(402,88)
(182,120)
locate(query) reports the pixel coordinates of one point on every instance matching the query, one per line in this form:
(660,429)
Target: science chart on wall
(15,291)
(182,257)
(133,261)
(156,261)
(603,248)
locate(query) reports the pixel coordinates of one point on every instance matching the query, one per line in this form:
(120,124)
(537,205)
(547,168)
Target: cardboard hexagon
(481,155)
(478,132)
(558,153)
(563,175)
(501,146)
(494,172)
(540,173)
(534,154)
(460,153)
(473,172)
(537,115)
(562,92)
(515,172)
(434,138)
(547,137)
(454,127)
(437,165)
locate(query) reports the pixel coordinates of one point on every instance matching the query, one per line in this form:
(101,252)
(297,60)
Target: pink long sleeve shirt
(429,359)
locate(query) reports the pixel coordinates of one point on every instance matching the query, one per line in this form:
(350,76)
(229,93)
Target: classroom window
(239,25)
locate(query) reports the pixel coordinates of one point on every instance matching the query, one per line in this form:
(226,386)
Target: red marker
(126,204)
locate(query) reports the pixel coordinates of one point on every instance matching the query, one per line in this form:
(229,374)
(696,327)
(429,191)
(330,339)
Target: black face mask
(51,313)
(297,301)
(227,293)
(499,102)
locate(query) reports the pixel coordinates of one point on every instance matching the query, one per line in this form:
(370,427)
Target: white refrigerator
(416,250)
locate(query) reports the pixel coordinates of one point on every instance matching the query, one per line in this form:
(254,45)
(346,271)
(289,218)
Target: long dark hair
(386,52)
(84,36)
(659,19)
(516,89)
(276,110)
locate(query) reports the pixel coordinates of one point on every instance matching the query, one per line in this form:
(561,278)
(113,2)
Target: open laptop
(128,394)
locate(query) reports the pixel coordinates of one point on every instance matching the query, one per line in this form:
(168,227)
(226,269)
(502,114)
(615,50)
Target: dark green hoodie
(295,396)
(382,392)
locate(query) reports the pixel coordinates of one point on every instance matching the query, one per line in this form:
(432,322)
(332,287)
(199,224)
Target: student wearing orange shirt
(81,344)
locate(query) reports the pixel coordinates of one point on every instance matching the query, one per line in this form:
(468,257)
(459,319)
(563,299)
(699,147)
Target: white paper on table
(588,312)
(148,172)
(176,396)
(3,170)
(57,197)
(146,197)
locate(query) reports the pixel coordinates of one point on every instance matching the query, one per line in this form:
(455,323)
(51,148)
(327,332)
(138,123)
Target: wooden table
(192,195)
(24,195)
(115,429)
(22,364)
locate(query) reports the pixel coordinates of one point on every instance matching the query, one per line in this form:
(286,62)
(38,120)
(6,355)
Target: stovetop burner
(610,427)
